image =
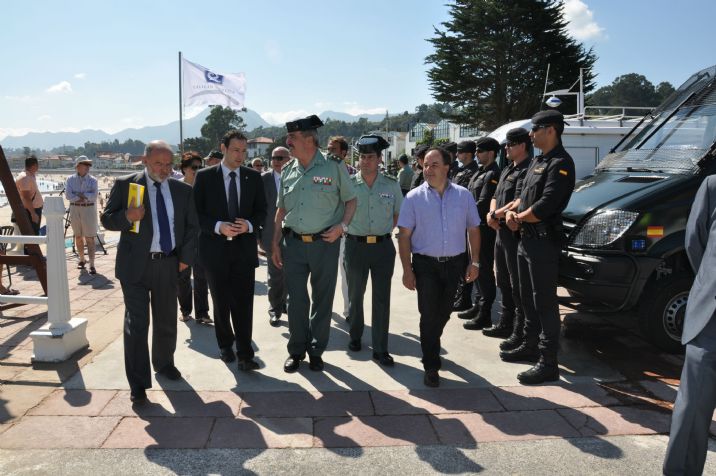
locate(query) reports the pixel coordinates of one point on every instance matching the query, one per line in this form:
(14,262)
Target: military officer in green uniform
(315,204)
(369,247)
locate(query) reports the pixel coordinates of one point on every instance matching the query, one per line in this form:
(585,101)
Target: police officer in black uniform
(545,193)
(419,154)
(511,323)
(451,147)
(482,186)
(466,156)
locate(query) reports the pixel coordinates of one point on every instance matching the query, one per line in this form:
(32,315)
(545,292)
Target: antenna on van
(546,78)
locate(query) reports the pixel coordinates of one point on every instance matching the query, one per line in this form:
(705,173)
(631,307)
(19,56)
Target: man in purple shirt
(433,222)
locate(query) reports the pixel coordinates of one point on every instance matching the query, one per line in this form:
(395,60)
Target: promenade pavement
(607,415)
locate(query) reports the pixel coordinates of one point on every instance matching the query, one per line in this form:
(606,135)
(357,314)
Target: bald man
(276,287)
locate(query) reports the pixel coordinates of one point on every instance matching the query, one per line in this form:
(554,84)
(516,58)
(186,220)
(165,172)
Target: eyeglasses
(540,126)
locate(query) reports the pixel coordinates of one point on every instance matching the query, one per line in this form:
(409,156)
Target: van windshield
(680,141)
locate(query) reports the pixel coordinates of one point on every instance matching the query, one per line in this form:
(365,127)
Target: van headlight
(604,228)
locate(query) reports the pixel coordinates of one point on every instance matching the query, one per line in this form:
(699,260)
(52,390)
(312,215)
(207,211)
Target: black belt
(307,238)
(439,259)
(82,204)
(155,255)
(370,239)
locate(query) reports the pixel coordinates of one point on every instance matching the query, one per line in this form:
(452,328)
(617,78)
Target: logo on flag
(213,77)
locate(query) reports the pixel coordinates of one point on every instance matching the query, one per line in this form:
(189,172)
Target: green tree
(219,121)
(490,59)
(629,90)
(428,138)
(198,144)
(26,151)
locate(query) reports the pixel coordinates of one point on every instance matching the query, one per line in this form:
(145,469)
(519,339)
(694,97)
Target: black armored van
(624,226)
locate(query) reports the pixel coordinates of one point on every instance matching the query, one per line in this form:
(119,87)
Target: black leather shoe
(292,363)
(138,396)
(384,358)
(540,373)
(511,343)
(274,318)
(524,353)
(227,355)
(470,313)
(480,322)
(431,378)
(248,364)
(500,330)
(354,345)
(315,363)
(170,372)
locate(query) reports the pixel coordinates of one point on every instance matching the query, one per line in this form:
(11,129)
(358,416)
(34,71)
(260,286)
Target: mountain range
(168,132)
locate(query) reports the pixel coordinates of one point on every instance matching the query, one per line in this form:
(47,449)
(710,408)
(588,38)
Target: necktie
(165,234)
(233,198)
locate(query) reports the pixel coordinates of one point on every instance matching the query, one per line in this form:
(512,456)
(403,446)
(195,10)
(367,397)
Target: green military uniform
(313,198)
(370,249)
(405,178)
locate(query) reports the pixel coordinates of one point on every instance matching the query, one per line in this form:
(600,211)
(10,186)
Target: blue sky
(110,65)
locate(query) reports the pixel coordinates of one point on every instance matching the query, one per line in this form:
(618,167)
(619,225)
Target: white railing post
(62,336)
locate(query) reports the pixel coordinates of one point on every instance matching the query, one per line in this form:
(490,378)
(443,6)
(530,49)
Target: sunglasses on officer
(537,127)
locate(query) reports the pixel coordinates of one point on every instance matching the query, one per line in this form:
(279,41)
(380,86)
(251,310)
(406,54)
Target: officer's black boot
(483,320)
(516,338)
(546,370)
(526,352)
(503,328)
(470,313)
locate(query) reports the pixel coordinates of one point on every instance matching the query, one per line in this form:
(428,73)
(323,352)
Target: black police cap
(215,154)
(467,146)
(487,143)
(420,150)
(547,118)
(306,124)
(371,143)
(518,135)
(450,147)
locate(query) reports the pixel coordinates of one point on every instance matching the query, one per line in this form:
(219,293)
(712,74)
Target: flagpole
(181,113)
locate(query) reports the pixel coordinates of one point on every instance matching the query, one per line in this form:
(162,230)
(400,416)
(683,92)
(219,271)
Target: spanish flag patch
(563,172)
(655,231)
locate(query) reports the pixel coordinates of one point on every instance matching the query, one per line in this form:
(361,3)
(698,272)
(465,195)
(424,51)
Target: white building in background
(258,147)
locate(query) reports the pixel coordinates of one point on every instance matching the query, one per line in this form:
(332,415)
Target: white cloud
(273,51)
(80,75)
(61,87)
(14,131)
(280,118)
(581,23)
(22,98)
(357,110)
(44,117)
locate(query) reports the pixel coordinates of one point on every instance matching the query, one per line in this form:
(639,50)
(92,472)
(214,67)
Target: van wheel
(662,309)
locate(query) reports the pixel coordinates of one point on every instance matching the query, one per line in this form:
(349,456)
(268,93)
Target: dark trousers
(436,284)
(276,286)
(199,291)
(157,287)
(35,226)
(232,294)
(309,320)
(538,263)
(507,278)
(694,406)
(486,277)
(378,260)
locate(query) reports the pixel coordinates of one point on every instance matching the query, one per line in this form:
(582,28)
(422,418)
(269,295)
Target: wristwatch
(493,214)
(345,227)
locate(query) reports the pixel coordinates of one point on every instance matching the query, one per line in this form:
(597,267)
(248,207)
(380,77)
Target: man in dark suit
(276,285)
(149,262)
(695,402)
(231,205)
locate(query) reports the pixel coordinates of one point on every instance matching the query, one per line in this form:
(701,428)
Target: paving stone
(437,401)
(74,402)
(33,432)
(631,420)
(262,433)
(160,432)
(344,432)
(466,429)
(158,405)
(16,400)
(310,404)
(553,396)
(176,404)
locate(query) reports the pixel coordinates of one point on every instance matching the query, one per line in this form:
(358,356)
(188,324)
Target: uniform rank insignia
(539,170)
(563,172)
(322,180)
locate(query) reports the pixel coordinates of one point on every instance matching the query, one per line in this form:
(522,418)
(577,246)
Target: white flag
(201,86)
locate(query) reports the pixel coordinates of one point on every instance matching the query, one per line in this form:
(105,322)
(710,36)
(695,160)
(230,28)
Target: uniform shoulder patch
(333,157)
(563,172)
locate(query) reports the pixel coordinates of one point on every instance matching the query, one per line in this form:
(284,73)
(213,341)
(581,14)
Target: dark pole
(181,114)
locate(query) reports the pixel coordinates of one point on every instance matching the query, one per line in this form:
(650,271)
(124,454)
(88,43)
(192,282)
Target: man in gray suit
(276,286)
(695,402)
(149,262)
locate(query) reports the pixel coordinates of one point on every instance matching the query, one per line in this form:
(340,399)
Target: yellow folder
(135,199)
